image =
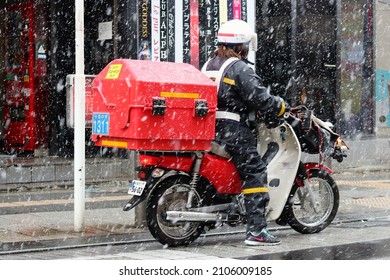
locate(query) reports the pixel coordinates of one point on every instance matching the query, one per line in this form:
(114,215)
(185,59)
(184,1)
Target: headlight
(157,172)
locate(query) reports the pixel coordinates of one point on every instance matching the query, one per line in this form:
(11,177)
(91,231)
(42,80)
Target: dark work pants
(239,140)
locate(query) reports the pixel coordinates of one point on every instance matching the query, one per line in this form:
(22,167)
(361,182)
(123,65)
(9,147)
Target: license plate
(136,187)
(101,123)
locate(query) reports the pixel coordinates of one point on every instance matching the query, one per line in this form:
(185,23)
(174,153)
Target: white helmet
(236,31)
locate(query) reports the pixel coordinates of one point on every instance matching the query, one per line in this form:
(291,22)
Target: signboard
(382,98)
(105,31)
(185,30)
(70,100)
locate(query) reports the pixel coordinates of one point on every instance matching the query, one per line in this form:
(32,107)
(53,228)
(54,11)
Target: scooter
(188,193)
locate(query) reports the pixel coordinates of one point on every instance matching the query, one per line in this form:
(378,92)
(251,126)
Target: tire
(172,194)
(301,213)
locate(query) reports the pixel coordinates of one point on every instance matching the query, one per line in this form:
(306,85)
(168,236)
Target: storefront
(24,83)
(317,52)
(320,53)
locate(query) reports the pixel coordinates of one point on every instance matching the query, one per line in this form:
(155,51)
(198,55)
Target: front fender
(304,171)
(316,165)
(151,185)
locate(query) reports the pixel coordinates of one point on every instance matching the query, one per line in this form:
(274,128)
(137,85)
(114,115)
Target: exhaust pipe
(181,216)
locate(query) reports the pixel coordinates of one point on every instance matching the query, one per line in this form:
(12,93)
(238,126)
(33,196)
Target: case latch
(201,108)
(159,107)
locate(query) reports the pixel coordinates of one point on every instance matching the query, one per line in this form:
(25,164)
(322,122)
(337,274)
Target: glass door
(316,44)
(297,54)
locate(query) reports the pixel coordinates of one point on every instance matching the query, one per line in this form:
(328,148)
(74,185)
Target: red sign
(70,100)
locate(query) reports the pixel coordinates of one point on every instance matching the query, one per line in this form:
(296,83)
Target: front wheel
(173,195)
(314,206)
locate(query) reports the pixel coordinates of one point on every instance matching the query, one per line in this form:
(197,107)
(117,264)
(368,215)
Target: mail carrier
(153,106)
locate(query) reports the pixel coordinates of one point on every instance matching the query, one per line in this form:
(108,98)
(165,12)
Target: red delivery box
(148,105)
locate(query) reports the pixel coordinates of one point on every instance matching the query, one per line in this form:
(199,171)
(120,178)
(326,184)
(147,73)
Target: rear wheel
(314,206)
(172,195)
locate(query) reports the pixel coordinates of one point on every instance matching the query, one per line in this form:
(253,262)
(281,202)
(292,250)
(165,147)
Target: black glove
(287,108)
(271,121)
(274,123)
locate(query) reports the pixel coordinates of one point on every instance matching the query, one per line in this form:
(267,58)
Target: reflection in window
(13,41)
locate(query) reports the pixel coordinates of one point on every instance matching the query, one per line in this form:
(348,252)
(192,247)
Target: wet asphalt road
(327,245)
(361,230)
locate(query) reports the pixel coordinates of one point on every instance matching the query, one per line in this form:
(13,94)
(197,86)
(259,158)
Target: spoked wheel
(173,195)
(315,205)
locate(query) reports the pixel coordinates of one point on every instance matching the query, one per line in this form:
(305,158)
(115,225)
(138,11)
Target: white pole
(179,31)
(79,126)
(251,5)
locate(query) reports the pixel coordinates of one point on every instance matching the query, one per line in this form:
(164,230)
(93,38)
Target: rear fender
(135,200)
(151,185)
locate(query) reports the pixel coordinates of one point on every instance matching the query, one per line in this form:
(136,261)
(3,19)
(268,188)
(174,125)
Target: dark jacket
(241,90)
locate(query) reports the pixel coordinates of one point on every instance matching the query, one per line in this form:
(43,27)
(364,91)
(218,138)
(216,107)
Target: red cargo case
(153,106)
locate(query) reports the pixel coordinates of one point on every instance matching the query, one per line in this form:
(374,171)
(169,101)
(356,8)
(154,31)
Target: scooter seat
(219,150)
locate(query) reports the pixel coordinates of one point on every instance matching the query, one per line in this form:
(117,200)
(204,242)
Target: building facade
(317,52)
